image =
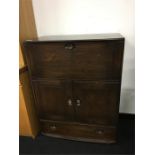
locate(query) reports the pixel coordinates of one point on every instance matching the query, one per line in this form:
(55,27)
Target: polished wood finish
(97,60)
(51,61)
(53,100)
(27,26)
(96,101)
(80,37)
(77,84)
(21,60)
(54,60)
(28,121)
(81,132)
(24,123)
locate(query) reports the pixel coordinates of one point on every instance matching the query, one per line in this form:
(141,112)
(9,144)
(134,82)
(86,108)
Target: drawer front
(53,100)
(85,60)
(96,102)
(74,131)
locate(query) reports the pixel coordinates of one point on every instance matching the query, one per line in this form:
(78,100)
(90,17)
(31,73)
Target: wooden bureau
(76,82)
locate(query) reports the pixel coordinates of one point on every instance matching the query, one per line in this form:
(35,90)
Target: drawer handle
(69,46)
(69,102)
(78,102)
(53,127)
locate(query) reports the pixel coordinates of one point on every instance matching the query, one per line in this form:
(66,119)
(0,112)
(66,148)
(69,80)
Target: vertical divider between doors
(72,56)
(71,83)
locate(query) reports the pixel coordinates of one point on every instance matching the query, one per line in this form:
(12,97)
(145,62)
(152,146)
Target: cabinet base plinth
(79,138)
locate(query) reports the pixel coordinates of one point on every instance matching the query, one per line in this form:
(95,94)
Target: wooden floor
(48,145)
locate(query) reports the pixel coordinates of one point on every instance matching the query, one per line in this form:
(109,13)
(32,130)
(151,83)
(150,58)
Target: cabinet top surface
(80,37)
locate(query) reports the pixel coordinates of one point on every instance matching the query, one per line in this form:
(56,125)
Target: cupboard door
(54,100)
(96,101)
(47,59)
(102,59)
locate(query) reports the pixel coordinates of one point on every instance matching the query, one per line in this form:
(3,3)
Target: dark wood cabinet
(76,84)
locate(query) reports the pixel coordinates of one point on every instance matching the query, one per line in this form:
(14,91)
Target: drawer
(76,59)
(75,131)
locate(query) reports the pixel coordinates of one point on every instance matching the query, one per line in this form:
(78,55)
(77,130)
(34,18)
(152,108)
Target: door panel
(53,100)
(97,60)
(77,60)
(48,60)
(96,101)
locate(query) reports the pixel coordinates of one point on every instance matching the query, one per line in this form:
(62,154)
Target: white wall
(93,16)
